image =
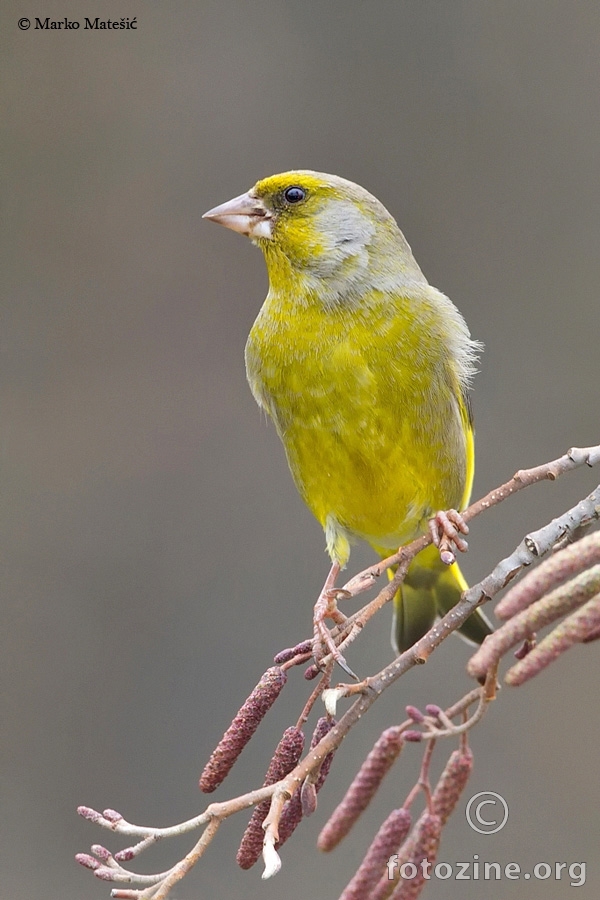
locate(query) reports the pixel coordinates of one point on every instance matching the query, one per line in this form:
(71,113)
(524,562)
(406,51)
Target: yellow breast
(367,404)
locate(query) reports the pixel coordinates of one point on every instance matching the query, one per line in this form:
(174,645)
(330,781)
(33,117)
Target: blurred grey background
(155,553)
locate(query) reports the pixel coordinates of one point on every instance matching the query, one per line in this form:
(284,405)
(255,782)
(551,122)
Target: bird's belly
(374,439)
(370,468)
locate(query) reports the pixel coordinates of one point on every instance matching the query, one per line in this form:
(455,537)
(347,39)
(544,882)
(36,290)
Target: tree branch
(582,625)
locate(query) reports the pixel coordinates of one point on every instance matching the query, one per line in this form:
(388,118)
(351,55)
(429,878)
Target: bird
(365,370)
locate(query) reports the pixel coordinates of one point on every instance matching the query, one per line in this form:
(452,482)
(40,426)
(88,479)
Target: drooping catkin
(363,788)
(242,728)
(292,811)
(388,881)
(286,756)
(582,624)
(390,836)
(559,602)
(451,783)
(290,818)
(553,571)
(323,727)
(426,844)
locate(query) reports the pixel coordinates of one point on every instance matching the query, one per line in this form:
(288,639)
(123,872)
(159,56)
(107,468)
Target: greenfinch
(365,370)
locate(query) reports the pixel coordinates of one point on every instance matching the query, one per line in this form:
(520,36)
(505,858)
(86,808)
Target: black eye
(294,194)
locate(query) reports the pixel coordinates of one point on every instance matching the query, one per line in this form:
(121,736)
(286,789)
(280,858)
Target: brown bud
(308,797)
(363,788)
(242,728)
(286,756)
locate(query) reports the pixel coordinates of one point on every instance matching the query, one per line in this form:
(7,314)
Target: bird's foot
(446,529)
(326,608)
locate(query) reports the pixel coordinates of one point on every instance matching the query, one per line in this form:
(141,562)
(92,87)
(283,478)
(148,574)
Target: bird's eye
(294,194)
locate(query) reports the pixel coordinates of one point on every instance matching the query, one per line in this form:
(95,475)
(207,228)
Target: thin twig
(532,547)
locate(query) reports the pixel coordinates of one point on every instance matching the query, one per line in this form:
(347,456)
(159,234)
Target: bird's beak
(246,214)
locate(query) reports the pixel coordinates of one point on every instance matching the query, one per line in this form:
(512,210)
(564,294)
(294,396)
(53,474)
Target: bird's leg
(326,608)
(446,529)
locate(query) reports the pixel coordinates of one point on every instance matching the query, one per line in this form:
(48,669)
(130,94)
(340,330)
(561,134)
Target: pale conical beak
(245,214)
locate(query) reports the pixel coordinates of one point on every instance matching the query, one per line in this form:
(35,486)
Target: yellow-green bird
(364,369)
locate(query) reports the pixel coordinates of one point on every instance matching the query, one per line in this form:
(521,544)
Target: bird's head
(315,226)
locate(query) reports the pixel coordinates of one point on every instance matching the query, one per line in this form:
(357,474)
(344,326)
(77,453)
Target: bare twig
(434,725)
(571,560)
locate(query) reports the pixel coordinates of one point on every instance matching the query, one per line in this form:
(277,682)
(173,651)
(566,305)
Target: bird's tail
(431,589)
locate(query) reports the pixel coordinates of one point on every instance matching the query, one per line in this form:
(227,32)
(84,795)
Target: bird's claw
(326,608)
(446,528)
(344,665)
